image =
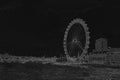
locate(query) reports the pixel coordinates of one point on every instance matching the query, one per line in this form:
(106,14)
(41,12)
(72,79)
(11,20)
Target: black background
(36,28)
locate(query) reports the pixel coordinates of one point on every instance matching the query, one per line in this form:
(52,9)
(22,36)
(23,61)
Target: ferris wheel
(76,39)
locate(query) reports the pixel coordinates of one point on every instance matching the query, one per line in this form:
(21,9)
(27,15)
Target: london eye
(76,39)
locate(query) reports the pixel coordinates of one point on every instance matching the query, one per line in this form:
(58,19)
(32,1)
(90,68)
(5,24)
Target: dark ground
(38,71)
(35,71)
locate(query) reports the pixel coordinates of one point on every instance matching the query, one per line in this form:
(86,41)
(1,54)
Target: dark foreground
(39,71)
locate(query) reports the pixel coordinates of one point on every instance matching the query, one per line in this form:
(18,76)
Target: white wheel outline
(84,25)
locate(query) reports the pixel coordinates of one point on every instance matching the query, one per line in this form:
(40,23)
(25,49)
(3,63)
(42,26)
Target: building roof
(101,39)
(114,50)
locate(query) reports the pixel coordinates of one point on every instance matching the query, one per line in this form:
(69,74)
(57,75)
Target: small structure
(101,45)
(114,56)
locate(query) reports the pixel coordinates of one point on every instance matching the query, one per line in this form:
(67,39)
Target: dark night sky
(37,28)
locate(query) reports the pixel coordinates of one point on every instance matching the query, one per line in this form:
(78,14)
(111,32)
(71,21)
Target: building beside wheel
(102,54)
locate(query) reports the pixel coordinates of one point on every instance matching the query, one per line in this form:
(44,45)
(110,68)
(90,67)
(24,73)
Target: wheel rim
(76,41)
